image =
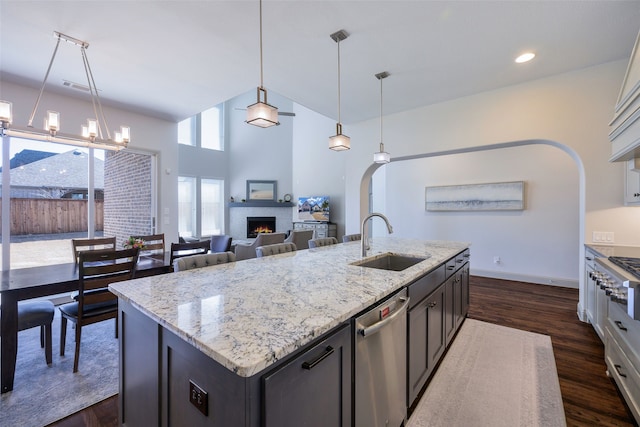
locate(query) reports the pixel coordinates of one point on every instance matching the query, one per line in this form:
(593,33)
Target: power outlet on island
(199,398)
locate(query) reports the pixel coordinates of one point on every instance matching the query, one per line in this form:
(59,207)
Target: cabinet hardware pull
(618,367)
(451,267)
(620,325)
(314,362)
(589,259)
(466,255)
(433,304)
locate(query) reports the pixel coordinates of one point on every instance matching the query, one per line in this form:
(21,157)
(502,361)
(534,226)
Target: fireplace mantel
(257,204)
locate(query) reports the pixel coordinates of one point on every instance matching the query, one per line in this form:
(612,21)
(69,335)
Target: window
(212,206)
(187,131)
(205,130)
(211,129)
(49,193)
(187,206)
(200,206)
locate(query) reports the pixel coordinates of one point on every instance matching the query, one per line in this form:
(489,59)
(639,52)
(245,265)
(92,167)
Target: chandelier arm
(94,95)
(46,76)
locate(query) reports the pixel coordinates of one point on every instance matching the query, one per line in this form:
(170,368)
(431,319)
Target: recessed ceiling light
(525,57)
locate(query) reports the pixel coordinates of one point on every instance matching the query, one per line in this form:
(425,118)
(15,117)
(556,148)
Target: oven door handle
(620,325)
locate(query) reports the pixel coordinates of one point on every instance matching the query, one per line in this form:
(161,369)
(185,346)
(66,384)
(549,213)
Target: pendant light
(339,142)
(381,156)
(262,114)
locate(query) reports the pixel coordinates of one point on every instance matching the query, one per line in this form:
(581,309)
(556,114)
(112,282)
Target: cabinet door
(436,340)
(590,287)
(313,389)
(632,182)
(465,291)
(451,296)
(426,341)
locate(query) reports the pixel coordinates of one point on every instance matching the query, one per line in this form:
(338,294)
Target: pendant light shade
(262,114)
(339,142)
(381,156)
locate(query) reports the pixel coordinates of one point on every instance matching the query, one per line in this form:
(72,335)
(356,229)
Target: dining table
(35,282)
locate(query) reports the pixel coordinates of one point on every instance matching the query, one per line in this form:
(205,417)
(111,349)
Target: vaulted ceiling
(172,59)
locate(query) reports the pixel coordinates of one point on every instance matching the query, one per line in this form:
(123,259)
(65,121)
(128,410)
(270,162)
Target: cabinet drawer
(462,257)
(624,374)
(625,331)
(425,285)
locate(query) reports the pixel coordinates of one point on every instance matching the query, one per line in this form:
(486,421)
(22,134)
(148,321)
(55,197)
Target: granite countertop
(248,314)
(606,251)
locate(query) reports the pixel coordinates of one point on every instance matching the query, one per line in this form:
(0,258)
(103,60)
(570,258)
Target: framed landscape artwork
(261,191)
(476,197)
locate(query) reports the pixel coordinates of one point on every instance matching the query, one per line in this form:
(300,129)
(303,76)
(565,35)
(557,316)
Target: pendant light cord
(381,115)
(261,70)
(339,81)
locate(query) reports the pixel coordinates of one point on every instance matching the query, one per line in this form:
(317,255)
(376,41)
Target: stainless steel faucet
(364,244)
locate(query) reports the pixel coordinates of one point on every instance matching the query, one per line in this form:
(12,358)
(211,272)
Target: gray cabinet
(313,389)
(166,381)
(439,302)
(321,229)
(590,285)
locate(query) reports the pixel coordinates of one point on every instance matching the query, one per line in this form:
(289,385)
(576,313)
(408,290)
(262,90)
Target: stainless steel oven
(619,278)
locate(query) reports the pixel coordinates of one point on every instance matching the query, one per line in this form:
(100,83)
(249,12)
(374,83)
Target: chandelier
(91,133)
(262,114)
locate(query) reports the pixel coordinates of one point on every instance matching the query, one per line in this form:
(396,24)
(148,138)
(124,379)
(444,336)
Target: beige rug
(493,376)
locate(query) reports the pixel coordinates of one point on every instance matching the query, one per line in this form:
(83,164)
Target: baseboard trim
(541,280)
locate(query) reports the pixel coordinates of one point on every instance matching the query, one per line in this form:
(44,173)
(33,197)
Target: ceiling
(173,59)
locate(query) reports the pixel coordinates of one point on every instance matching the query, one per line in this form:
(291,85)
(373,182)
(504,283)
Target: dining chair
(275,249)
(202,260)
(186,249)
(97,244)
(300,238)
(351,237)
(220,243)
(38,313)
(95,302)
(322,241)
(249,251)
(153,244)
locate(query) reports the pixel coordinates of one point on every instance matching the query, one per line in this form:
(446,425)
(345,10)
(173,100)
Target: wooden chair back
(98,244)
(185,249)
(153,243)
(99,268)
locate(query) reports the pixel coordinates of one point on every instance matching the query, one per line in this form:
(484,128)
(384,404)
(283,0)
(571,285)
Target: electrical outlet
(199,398)
(496,260)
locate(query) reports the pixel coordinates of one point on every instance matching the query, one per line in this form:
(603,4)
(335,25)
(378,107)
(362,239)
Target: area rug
(493,376)
(43,394)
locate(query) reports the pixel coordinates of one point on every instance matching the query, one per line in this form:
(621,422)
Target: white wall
(572,110)
(317,170)
(147,134)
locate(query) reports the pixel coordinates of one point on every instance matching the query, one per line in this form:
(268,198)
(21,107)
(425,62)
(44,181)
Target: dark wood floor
(590,397)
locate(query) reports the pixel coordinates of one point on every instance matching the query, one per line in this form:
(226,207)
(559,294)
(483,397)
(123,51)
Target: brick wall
(127,195)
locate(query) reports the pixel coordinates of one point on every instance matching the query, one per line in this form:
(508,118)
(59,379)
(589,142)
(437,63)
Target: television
(313,209)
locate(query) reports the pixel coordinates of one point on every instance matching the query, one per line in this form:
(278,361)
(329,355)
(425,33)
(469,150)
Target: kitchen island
(202,343)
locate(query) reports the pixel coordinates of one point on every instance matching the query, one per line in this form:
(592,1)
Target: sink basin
(389,261)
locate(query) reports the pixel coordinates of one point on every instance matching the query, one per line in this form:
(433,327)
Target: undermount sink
(389,261)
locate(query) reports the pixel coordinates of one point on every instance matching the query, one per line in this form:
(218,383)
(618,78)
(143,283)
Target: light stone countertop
(249,314)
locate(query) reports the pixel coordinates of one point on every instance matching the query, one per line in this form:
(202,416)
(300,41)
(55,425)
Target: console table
(321,229)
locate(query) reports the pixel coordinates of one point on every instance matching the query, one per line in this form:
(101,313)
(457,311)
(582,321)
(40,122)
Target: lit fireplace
(260,224)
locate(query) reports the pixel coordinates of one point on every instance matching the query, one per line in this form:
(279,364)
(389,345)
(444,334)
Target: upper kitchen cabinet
(625,126)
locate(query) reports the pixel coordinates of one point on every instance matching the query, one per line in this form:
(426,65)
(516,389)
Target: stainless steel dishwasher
(381,363)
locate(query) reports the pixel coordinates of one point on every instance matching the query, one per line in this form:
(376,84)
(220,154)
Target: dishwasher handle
(370,330)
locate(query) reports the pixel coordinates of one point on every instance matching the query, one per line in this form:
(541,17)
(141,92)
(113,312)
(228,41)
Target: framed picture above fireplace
(261,191)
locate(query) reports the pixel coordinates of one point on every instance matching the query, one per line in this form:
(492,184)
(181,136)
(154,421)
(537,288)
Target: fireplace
(260,224)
